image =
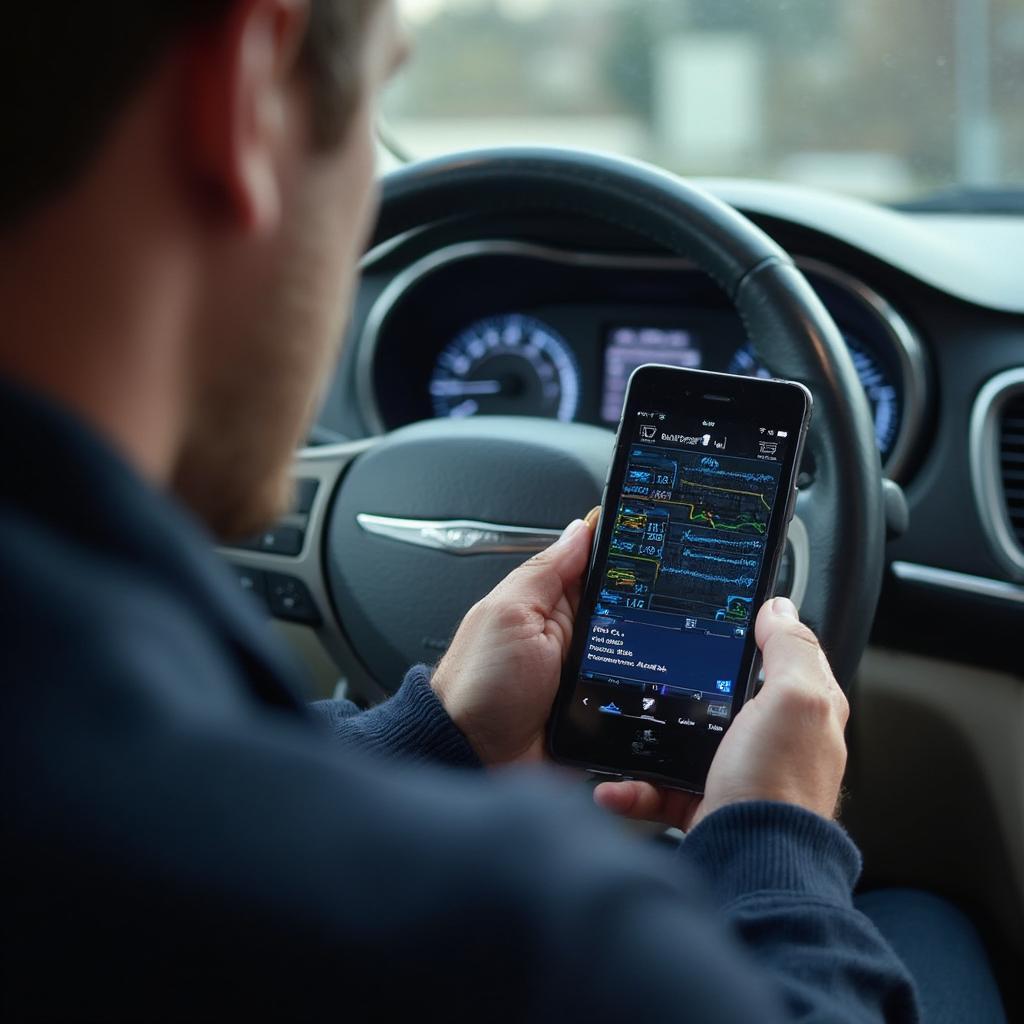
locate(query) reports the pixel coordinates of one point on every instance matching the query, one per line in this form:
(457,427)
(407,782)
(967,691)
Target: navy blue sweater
(185,840)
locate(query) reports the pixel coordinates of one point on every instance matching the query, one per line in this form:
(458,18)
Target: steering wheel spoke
(284,565)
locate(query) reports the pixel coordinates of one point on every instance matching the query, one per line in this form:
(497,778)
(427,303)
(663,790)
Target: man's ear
(240,122)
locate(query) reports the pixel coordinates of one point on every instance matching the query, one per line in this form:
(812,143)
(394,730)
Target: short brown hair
(68,68)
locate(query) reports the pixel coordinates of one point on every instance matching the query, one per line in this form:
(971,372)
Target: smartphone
(693,524)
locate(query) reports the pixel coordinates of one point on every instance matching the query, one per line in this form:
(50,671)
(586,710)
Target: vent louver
(1011,463)
(997,466)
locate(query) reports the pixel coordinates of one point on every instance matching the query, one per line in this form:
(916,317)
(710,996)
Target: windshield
(887,99)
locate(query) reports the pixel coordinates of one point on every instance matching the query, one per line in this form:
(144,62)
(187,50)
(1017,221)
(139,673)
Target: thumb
(555,571)
(570,554)
(792,655)
(788,647)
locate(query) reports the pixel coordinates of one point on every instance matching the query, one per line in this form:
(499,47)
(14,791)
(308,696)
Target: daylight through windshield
(876,98)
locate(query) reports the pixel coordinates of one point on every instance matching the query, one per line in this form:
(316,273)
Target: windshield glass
(887,99)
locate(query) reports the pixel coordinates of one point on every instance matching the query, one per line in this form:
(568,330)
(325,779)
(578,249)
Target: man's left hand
(499,677)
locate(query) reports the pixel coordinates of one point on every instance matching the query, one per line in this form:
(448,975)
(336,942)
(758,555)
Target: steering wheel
(408,530)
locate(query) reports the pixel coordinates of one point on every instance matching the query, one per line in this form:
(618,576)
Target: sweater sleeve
(411,725)
(783,878)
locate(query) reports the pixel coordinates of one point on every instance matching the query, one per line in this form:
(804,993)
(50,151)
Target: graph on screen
(689,534)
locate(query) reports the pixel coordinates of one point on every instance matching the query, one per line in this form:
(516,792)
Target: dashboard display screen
(703,342)
(630,347)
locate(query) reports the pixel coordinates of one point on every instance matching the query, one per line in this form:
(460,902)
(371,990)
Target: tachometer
(882,392)
(507,365)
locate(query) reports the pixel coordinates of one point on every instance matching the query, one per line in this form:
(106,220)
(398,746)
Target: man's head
(192,183)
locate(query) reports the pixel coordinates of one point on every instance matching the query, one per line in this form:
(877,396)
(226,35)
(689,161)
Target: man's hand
(500,675)
(786,744)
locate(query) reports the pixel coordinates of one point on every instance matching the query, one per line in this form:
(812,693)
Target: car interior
(505,297)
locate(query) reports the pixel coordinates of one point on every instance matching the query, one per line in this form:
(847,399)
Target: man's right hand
(786,744)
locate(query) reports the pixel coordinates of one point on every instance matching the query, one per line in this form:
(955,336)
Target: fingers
(641,801)
(792,655)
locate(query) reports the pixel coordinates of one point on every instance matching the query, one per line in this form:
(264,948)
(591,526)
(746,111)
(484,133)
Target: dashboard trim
(947,579)
(906,343)
(986,479)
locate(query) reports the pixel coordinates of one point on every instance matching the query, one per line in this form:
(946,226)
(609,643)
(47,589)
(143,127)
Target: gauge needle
(454,388)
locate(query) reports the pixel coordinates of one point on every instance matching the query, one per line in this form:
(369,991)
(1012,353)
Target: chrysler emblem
(460,536)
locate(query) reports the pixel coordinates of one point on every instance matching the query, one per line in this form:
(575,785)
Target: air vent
(1011,463)
(997,466)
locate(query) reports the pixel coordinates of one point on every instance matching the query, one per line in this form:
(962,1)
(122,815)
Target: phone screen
(692,526)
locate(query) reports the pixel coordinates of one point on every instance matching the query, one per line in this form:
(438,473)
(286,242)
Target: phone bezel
(652,386)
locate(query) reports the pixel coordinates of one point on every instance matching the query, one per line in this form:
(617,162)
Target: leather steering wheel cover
(844,509)
(674,214)
(790,328)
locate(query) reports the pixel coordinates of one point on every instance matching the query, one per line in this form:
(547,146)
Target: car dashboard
(545,316)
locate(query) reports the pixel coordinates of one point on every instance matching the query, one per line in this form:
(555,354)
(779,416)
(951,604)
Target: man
(188,187)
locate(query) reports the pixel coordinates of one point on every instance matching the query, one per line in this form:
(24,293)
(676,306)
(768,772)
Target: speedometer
(882,392)
(882,395)
(507,365)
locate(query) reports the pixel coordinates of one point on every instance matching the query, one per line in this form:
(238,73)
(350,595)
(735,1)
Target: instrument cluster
(508,328)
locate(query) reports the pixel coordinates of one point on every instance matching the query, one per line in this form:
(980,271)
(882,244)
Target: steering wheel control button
(305,495)
(290,599)
(252,581)
(282,540)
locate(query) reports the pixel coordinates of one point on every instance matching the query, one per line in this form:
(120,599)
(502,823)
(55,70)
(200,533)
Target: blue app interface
(677,581)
